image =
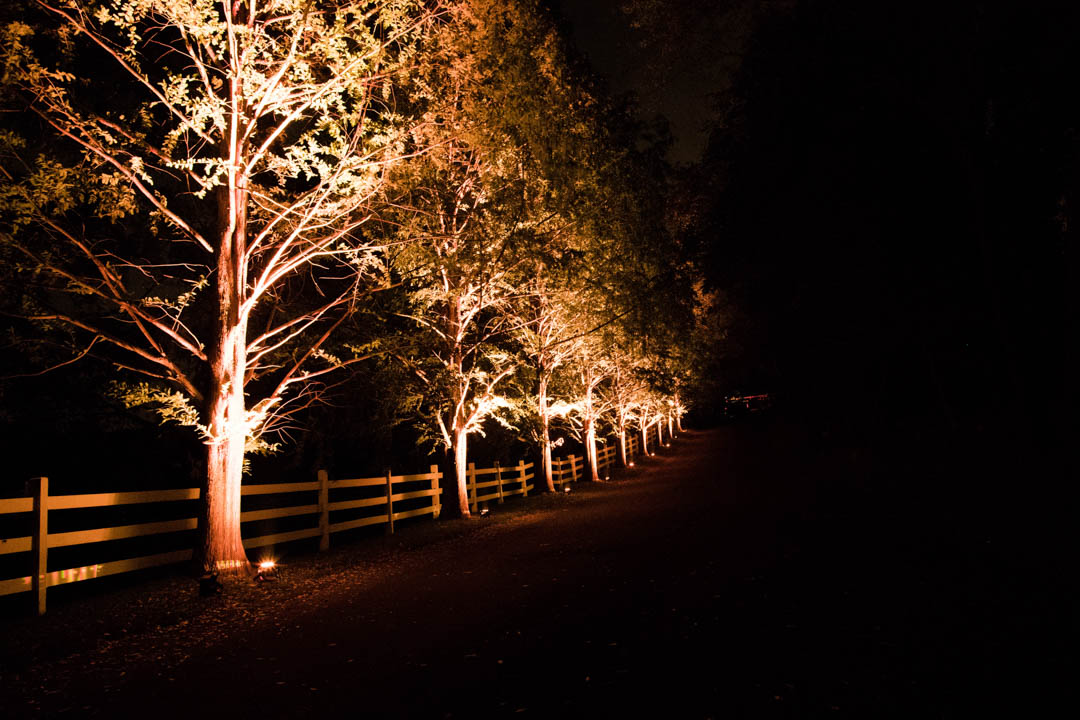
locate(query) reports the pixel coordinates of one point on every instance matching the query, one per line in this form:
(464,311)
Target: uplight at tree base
(267,571)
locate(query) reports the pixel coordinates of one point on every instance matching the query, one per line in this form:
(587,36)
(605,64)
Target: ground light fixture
(267,571)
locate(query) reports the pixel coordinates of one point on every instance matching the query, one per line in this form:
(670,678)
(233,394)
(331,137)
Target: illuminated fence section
(605,459)
(508,481)
(413,495)
(568,470)
(323,506)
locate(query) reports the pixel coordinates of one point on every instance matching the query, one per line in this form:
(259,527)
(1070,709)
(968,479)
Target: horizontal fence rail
(395,489)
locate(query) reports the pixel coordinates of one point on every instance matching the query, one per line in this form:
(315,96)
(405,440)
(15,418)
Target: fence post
(573,469)
(39,543)
(389,502)
(436,500)
(524,481)
(470,478)
(324,511)
(498,481)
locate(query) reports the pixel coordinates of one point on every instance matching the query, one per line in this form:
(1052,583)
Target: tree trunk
(670,428)
(461,440)
(545,440)
(221,548)
(458,419)
(622,446)
(644,439)
(590,448)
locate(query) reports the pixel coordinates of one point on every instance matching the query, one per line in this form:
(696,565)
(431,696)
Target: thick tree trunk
(461,440)
(644,438)
(221,548)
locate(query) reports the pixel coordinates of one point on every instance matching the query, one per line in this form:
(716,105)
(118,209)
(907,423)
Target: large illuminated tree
(202,214)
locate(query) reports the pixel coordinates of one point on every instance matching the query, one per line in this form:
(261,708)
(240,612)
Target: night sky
(674,55)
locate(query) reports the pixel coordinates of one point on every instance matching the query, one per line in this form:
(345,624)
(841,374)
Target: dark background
(887,196)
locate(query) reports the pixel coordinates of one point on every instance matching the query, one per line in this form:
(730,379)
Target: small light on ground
(267,571)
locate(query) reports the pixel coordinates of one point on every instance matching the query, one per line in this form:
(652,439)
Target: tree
(204,214)
(480,205)
(550,334)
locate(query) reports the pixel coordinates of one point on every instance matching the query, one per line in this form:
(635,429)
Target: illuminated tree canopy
(227,189)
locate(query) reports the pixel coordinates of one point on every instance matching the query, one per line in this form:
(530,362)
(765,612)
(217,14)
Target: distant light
(631,464)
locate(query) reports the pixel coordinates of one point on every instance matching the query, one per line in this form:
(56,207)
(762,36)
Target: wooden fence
(513,480)
(398,488)
(568,470)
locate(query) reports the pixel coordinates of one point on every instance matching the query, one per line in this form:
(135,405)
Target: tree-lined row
(246,199)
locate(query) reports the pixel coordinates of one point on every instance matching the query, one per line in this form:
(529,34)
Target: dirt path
(711,581)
